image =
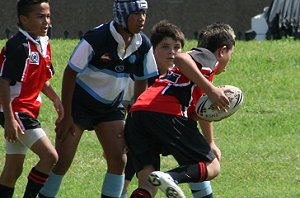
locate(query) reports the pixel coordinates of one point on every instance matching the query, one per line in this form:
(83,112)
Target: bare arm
(208,133)
(139,87)
(66,125)
(11,126)
(51,94)
(189,68)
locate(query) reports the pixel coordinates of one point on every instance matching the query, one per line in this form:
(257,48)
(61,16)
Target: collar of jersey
(42,44)
(133,46)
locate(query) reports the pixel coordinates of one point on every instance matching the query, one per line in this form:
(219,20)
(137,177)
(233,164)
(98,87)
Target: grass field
(260,144)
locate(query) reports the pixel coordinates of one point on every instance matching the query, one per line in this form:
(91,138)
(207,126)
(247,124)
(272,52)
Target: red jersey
(27,64)
(173,93)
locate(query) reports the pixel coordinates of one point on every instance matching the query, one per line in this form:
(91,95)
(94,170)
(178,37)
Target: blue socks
(113,185)
(51,187)
(201,189)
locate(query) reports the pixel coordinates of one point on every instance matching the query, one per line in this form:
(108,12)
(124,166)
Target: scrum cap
(123,8)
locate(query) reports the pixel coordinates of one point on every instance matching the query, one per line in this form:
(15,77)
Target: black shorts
(130,166)
(88,112)
(149,134)
(26,120)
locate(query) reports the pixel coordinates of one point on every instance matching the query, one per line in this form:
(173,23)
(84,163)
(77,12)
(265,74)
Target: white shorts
(25,141)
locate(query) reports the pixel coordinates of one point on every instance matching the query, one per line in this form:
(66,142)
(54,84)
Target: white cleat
(166,183)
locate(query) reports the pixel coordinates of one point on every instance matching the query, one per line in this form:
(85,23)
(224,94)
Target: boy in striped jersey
(94,81)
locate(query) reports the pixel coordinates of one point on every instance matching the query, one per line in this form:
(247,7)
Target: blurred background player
(163,118)
(94,81)
(25,71)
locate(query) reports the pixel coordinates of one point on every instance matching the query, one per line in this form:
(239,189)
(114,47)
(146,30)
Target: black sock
(209,196)
(6,192)
(189,173)
(36,181)
(140,193)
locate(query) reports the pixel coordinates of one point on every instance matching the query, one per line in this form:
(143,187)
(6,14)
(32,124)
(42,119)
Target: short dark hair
(216,35)
(24,7)
(165,29)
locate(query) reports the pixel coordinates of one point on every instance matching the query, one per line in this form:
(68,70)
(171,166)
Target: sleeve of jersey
(149,66)
(81,56)
(14,62)
(206,71)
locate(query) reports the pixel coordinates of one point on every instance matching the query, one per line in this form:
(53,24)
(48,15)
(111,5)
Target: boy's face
(136,22)
(37,22)
(165,52)
(223,56)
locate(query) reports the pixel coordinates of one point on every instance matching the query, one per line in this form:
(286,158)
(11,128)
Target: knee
(50,158)
(53,158)
(213,169)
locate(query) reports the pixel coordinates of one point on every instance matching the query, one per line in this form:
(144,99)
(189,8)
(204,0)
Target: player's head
(216,35)
(123,8)
(165,29)
(34,16)
(219,38)
(167,39)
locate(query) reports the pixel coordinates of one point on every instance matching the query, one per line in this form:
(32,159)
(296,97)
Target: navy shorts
(88,112)
(149,134)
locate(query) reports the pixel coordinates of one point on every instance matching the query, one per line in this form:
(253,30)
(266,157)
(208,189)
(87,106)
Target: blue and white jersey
(104,66)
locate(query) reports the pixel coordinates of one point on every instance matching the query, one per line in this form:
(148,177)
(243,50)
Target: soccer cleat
(166,184)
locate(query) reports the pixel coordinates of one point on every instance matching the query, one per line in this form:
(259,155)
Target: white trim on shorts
(25,141)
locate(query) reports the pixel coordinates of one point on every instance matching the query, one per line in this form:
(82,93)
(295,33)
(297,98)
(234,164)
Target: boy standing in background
(94,81)
(25,71)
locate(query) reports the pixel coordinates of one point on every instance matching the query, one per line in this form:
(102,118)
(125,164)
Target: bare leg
(66,151)
(12,169)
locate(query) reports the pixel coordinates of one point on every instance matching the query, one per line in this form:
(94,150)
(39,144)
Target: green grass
(260,143)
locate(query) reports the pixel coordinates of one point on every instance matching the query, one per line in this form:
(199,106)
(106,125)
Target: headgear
(123,8)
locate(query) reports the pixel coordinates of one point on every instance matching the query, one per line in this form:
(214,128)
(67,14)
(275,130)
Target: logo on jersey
(34,58)
(105,57)
(119,68)
(132,59)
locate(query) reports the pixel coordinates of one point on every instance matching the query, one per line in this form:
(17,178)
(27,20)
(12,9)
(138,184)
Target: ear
(222,51)
(23,20)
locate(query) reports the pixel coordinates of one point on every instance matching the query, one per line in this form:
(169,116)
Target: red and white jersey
(27,64)
(173,93)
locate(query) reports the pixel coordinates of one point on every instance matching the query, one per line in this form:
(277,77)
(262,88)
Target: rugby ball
(206,111)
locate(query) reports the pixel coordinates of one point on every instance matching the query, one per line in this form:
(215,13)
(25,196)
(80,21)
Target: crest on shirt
(119,68)
(34,58)
(132,58)
(105,57)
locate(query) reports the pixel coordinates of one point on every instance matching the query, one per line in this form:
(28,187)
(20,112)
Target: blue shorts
(88,112)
